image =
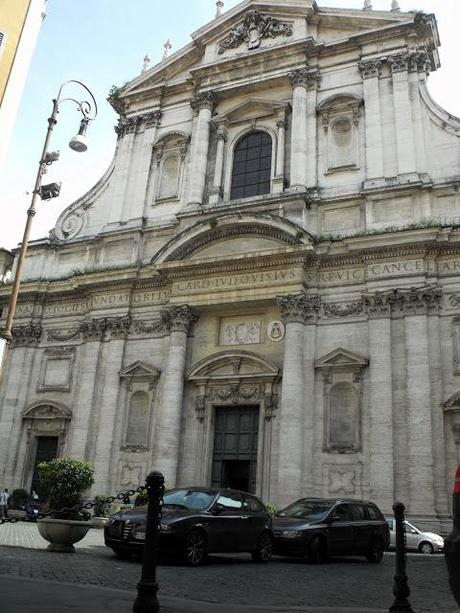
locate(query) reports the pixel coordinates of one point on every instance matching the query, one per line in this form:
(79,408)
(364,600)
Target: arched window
(138,420)
(252,162)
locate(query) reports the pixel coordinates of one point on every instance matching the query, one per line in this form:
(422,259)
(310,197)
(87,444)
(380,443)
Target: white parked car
(425,542)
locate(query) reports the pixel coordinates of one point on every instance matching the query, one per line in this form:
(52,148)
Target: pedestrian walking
(7,501)
(2,505)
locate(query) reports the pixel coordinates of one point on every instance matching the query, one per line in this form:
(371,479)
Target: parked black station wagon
(319,528)
(197,521)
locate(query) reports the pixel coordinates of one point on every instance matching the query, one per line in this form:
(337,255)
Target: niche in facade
(168,168)
(341,118)
(138,397)
(342,390)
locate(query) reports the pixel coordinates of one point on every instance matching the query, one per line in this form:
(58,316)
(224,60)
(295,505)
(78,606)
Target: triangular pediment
(251,108)
(140,370)
(341,358)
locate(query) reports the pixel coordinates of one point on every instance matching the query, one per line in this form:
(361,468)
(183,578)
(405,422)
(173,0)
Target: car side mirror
(217,509)
(412,531)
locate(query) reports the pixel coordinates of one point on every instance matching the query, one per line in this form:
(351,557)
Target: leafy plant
(18,498)
(64,480)
(141,499)
(271,508)
(102,508)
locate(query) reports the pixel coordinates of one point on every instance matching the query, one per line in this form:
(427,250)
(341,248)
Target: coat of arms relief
(252,30)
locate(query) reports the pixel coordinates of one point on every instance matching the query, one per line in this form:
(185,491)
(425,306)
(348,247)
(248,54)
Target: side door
(412,536)
(230,522)
(256,523)
(363,528)
(341,530)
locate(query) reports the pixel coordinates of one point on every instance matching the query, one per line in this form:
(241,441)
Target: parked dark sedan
(318,528)
(197,521)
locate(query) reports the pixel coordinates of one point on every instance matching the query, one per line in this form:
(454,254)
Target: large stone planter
(99,522)
(62,533)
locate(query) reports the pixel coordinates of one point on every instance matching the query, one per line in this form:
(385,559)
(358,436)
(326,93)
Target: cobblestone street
(231,579)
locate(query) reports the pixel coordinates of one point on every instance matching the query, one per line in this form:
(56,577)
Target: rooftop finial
(219,8)
(367,5)
(395,5)
(167,48)
(145,66)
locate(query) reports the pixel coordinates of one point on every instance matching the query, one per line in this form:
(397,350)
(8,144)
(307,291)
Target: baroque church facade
(263,290)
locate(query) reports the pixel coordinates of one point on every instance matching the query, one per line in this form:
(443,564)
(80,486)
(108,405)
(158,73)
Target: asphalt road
(238,580)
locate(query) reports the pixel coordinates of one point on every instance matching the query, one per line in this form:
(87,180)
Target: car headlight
(291,534)
(165,528)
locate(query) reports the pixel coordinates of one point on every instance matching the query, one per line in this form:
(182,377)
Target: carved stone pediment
(252,30)
(140,370)
(252,108)
(342,359)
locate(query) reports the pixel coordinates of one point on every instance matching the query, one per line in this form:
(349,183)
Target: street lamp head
(79,142)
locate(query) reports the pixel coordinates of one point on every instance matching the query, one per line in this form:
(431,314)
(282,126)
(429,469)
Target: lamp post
(46,192)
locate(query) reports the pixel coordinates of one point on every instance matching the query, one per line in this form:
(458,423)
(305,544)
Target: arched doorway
(46,425)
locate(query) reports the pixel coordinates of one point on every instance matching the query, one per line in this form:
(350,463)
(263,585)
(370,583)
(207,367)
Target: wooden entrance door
(46,450)
(234,462)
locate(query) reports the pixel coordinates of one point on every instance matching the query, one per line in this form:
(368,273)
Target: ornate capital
(399,62)
(222,134)
(417,300)
(305,77)
(179,318)
(203,100)
(377,304)
(281,124)
(28,335)
(153,119)
(127,125)
(370,68)
(299,307)
(93,329)
(252,30)
(118,326)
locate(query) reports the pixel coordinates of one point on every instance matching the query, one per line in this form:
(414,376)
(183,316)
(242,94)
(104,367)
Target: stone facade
(159,306)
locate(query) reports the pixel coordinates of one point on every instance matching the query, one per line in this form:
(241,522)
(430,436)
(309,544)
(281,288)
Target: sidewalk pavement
(19,595)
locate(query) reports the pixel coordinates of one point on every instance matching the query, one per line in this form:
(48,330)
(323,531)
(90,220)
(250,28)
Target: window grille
(252,162)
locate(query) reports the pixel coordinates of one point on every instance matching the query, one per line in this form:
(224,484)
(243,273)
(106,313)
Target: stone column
(203,105)
(403,116)
(216,191)
(415,305)
(278,181)
(296,310)
(126,131)
(168,434)
(380,444)
(370,70)
(299,162)
(419,68)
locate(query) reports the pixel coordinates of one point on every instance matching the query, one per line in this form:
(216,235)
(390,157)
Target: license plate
(140,536)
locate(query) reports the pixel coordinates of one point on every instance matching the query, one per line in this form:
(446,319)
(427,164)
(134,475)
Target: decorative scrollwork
(253,29)
(29,334)
(71,225)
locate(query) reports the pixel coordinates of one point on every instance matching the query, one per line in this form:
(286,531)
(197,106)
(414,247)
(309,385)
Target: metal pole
(400,588)
(147,588)
(7,333)
(452,543)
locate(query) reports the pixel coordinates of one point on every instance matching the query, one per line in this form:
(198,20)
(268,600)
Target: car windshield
(306,509)
(188,499)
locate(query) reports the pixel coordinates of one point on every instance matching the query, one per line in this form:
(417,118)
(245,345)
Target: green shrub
(18,498)
(63,481)
(271,508)
(141,499)
(102,508)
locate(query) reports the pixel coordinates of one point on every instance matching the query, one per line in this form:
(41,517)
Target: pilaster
(370,70)
(216,190)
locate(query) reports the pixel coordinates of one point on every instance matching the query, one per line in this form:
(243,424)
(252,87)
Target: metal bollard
(452,543)
(147,588)
(400,588)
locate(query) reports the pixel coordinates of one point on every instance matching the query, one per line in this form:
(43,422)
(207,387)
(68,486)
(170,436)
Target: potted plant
(101,511)
(64,480)
(17,502)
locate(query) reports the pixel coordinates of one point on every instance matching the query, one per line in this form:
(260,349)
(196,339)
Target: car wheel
(425,547)
(121,553)
(195,548)
(375,552)
(318,553)
(264,551)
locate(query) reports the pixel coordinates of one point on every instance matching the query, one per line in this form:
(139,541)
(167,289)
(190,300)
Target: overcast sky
(103,42)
